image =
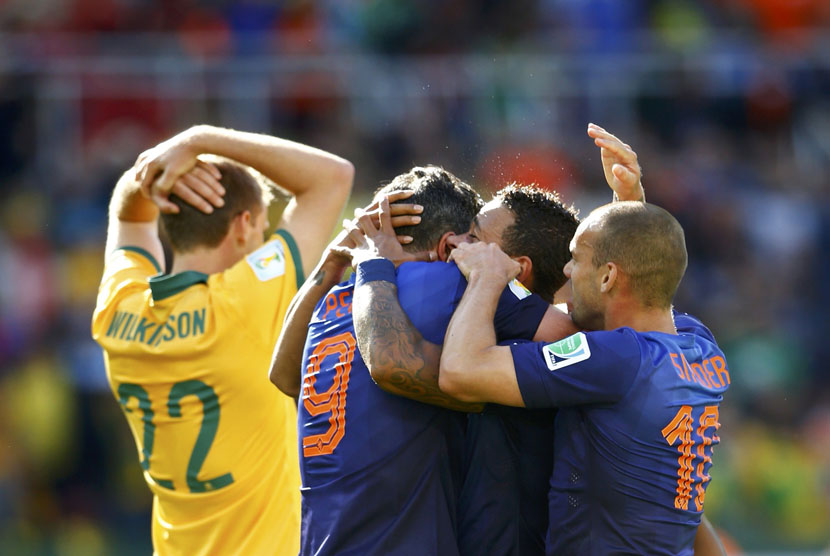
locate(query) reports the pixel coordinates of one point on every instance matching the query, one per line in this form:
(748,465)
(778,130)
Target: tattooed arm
(399,359)
(287,360)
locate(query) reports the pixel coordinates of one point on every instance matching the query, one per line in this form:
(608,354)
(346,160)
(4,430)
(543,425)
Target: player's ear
(526,274)
(609,277)
(448,242)
(240,227)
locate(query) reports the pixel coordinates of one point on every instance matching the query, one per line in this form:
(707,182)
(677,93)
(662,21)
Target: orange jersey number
(679,431)
(333,400)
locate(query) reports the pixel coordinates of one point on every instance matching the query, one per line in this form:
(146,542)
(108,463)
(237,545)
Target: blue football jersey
(381,473)
(637,423)
(503,506)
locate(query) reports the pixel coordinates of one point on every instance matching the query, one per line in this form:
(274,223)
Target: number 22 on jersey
(207,430)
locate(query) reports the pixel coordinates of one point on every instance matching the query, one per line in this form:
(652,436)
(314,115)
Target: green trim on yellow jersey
(295,255)
(167,285)
(143,252)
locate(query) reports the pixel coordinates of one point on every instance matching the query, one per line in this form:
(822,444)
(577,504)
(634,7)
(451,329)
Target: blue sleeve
(586,368)
(684,322)
(518,315)
(428,294)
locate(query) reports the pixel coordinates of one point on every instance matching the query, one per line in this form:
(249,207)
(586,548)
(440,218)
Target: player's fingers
(599,132)
(165,205)
(357,238)
(366,225)
(207,179)
(408,220)
(399,195)
(405,208)
(149,172)
(204,172)
(623,174)
(189,196)
(202,189)
(618,150)
(165,182)
(210,167)
(385,215)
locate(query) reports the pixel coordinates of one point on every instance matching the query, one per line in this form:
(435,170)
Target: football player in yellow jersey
(187,351)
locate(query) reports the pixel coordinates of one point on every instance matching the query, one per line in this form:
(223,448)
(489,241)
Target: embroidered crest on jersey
(572,349)
(268,261)
(518,289)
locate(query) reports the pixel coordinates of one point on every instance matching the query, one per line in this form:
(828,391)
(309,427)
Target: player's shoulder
(620,339)
(275,258)
(688,324)
(131,259)
(275,261)
(438,270)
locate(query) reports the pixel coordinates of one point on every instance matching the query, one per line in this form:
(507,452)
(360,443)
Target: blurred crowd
(727,103)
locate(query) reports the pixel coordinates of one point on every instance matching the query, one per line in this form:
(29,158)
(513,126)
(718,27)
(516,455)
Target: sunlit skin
(489,226)
(585,303)
(490,223)
(246,233)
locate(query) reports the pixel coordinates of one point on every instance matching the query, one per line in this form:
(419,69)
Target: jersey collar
(163,286)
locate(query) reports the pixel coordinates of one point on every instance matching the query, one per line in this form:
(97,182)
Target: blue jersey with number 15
(381,473)
(637,422)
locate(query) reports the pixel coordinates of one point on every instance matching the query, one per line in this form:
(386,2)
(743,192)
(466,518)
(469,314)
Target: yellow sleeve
(126,271)
(260,286)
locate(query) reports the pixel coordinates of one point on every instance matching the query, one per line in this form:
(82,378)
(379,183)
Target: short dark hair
(449,204)
(191,228)
(542,230)
(648,244)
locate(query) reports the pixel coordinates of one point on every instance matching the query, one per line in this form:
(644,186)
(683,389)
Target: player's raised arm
(285,372)
(287,359)
(134,212)
(473,367)
(319,181)
(620,165)
(398,357)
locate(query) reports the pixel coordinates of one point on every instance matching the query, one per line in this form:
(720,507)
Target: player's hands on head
(487,261)
(174,167)
(619,162)
(372,232)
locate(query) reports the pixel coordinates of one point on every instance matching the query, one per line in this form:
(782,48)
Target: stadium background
(727,103)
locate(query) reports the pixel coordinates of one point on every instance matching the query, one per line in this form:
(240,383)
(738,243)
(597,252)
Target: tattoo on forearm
(390,346)
(319,276)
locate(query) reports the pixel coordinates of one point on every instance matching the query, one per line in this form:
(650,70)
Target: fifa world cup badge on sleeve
(518,289)
(268,261)
(572,349)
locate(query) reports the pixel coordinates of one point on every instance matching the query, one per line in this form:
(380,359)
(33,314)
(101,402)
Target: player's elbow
(343,176)
(379,375)
(453,377)
(288,386)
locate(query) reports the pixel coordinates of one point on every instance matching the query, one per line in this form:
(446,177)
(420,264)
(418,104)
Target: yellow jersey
(187,357)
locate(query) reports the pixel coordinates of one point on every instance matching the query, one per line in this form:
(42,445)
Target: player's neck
(207,261)
(640,319)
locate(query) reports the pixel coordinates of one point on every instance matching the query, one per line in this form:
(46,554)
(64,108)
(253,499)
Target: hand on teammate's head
(371,234)
(486,260)
(173,167)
